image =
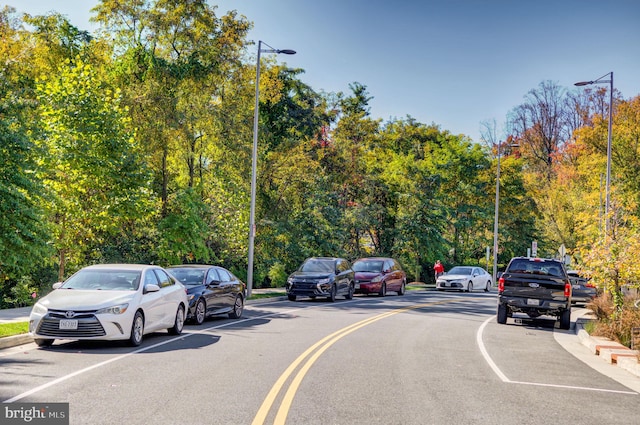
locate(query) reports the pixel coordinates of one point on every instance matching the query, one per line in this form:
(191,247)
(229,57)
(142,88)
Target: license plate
(357,286)
(531,301)
(68,324)
(576,286)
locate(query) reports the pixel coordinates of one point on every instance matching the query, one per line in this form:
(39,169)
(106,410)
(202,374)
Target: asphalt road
(422,358)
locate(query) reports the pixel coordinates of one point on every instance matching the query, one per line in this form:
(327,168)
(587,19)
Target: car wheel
(470,287)
(137,329)
(349,295)
(238,307)
(488,287)
(502,314)
(291,297)
(333,293)
(383,289)
(200,312)
(178,324)
(402,288)
(565,319)
(43,342)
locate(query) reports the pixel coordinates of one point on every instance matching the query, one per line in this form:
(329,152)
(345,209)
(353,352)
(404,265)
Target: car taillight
(501,284)
(567,289)
(590,285)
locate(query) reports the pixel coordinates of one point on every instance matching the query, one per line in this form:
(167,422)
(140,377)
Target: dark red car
(378,275)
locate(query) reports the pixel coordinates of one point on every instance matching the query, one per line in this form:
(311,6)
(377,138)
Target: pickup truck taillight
(567,289)
(501,284)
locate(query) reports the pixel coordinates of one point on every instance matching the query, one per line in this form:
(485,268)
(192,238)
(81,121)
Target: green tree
(92,165)
(23,230)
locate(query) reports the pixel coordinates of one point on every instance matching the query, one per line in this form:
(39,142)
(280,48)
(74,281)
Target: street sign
(534,248)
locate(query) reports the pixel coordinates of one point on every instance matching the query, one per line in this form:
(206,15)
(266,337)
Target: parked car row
(127,301)
(331,277)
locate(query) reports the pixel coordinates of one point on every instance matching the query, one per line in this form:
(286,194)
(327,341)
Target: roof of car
(375,258)
(120,266)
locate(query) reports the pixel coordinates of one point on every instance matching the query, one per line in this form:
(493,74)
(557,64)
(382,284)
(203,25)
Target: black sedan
(582,290)
(322,277)
(211,290)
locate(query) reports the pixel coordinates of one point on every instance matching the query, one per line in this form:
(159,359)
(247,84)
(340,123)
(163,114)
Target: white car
(465,278)
(110,302)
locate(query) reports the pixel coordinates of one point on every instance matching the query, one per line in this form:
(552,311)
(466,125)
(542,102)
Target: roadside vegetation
(134,145)
(14,328)
(618,324)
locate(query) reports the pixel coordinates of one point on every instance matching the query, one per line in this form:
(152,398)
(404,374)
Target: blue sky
(455,63)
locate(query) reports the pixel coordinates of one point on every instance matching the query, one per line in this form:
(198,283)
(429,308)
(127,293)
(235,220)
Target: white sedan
(465,278)
(110,302)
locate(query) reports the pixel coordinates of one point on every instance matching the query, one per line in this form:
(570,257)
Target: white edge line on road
(504,378)
(106,362)
(485,354)
(602,390)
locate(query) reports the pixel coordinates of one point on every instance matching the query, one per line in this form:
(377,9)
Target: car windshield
(188,276)
(104,280)
(461,270)
(323,266)
(368,266)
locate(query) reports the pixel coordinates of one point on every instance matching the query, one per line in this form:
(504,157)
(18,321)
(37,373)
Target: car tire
(502,314)
(469,287)
(402,288)
(291,297)
(200,312)
(488,287)
(383,289)
(137,329)
(565,320)
(352,289)
(333,293)
(238,307)
(43,342)
(178,323)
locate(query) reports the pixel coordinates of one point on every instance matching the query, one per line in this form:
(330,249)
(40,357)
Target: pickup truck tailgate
(532,286)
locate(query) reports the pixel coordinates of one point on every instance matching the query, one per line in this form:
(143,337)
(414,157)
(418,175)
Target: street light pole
(495,220)
(608,177)
(254,162)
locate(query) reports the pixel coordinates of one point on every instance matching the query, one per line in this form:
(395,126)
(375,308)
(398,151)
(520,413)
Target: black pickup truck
(535,286)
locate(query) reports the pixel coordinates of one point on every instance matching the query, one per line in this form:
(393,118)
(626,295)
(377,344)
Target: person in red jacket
(438,268)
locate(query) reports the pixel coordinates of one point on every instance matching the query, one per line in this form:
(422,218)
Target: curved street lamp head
(584,83)
(287,51)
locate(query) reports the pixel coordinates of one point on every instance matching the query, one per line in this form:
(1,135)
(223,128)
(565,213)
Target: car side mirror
(57,285)
(214,283)
(151,287)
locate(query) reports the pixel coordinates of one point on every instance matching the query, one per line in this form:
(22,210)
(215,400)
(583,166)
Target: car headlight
(290,280)
(116,309)
(376,279)
(324,281)
(39,309)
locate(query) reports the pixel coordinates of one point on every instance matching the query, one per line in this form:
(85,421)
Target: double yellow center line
(317,349)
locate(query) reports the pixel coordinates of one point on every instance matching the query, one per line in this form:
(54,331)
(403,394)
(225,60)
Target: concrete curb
(12,341)
(610,351)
